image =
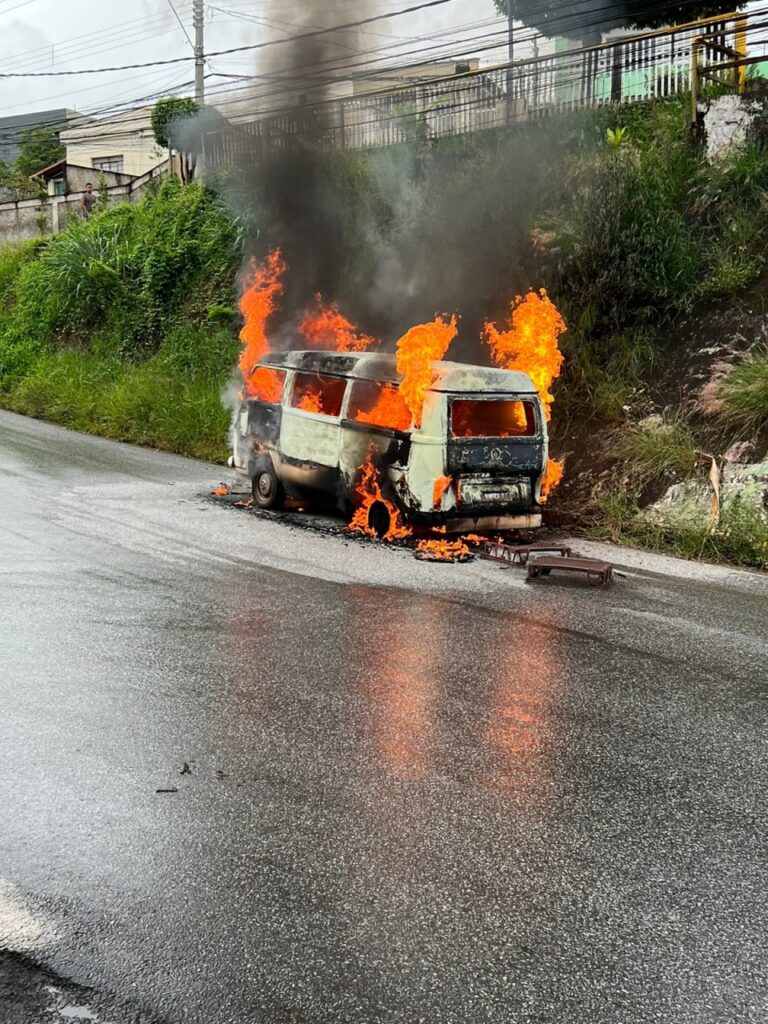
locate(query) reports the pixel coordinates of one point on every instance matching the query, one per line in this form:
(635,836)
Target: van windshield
(492,418)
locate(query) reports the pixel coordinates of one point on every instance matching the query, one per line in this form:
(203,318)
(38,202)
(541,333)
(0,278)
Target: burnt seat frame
(599,574)
(509,554)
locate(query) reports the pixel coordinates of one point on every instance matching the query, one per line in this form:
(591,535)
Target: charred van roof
(381,366)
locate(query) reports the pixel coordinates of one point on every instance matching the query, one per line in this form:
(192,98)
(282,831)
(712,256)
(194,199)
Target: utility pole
(510,58)
(198,20)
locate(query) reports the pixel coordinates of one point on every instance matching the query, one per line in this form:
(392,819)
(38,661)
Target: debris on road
(169,790)
(599,574)
(221,491)
(508,554)
(443,551)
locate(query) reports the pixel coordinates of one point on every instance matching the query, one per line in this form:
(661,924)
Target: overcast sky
(41,35)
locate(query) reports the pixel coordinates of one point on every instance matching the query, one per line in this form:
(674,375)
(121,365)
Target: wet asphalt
(260,775)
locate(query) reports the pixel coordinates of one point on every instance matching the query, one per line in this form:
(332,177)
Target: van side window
(315,393)
(507,418)
(378,404)
(266,385)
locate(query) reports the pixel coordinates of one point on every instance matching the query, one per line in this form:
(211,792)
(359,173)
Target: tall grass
(665,448)
(744,390)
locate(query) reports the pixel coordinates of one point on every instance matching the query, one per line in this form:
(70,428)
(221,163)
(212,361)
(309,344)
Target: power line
(181,23)
(235,49)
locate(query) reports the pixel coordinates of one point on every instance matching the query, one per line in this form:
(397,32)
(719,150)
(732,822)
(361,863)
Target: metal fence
(633,69)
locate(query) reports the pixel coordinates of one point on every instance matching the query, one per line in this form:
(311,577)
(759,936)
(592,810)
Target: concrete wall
(31,218)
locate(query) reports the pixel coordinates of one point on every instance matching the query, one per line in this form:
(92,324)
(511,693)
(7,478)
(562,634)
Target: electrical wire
(235,49)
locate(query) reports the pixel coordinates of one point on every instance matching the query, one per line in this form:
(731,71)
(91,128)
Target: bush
(744,390)
(664,448)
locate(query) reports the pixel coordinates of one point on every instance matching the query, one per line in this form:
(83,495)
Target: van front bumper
(524,521)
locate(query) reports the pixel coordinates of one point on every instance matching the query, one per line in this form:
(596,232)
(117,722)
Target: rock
(740,452)
(689,503)
(727,122)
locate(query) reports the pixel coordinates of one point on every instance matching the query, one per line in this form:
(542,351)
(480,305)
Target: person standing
(87,200)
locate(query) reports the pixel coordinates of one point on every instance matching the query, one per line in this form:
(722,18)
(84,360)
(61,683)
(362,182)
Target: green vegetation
(578,17)
(744,390)
(740,536)
(664,448)
(106,327)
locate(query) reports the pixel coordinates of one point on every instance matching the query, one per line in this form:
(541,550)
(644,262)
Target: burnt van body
(475,462)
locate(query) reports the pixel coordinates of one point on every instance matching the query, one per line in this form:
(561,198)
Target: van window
(314,393)
(379,404)
(508,418)
(266,385)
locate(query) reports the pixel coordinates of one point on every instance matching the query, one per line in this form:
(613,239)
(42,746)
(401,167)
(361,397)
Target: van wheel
(267,490)
(379,519)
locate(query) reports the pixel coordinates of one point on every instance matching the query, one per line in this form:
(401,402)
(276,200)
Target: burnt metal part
(264,421)
(328,364)
(508,554)
(373,428)
(471,455)
(599,574)
(486,491)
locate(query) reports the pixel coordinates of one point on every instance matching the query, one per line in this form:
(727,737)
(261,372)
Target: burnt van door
(309,438)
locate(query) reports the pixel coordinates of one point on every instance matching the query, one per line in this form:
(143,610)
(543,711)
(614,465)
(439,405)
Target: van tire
(267,490)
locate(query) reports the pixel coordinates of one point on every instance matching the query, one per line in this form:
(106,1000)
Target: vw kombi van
(475,461)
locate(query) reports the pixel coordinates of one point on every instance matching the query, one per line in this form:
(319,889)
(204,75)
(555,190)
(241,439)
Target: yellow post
(742,50)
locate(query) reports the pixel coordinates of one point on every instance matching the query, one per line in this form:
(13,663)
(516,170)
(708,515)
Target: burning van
(311,422)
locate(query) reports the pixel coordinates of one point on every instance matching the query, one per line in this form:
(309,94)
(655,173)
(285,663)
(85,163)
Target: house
(123,143)
(11,128)
(63,178)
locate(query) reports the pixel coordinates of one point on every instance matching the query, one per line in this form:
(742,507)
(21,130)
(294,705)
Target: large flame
(531,346)
(416,351)
(389,411)
(262,287)
(368,492)
(327,327)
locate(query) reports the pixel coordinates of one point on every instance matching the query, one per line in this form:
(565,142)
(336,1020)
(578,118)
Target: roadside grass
(664,448)
(739,538)
(149,403)
(744,390)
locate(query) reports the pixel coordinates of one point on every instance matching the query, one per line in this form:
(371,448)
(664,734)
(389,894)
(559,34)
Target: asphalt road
(396,792)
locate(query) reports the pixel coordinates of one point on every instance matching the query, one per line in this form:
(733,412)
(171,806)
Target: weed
(664,448)
(743,391)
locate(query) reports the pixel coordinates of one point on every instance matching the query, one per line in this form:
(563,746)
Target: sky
(44,35)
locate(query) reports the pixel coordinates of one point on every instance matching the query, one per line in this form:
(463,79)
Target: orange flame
(257,303)
(440,487)
(530,346)
(311,400)
(390,411)
(443,550)
(552,477)
(416,351)
(368,491)
(329,328)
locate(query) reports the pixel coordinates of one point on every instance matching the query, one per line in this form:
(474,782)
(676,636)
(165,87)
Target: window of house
(108,163)
(315,393)
(58,186)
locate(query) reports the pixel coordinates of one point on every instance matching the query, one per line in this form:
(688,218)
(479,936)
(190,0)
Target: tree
(173,124)
(580,18)
(39,147)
